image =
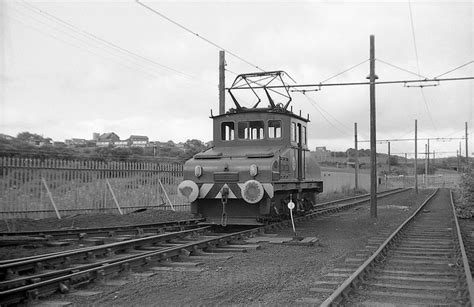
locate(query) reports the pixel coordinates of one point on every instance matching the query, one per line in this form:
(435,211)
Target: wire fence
(34,188)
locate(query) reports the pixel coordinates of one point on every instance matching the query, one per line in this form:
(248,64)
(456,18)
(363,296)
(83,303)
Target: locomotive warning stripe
(213,190)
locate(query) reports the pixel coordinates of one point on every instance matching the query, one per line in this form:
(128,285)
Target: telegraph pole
(428,151)
(388,143)
(356,169)
(426,162)
(221,82)
(373,138)
(459,161)
(460,156)
(467,152)
(416,155)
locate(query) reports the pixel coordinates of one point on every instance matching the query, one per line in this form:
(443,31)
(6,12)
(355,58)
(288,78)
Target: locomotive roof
(269,110)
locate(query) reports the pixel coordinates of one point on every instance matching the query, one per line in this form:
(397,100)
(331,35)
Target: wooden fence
(36,188)
(430,181)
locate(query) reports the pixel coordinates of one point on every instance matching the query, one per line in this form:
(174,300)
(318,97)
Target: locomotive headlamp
(188,190)
(252,191)
(253,170)
(198,171)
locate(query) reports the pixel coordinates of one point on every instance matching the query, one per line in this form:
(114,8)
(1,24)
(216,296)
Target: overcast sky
(71,68)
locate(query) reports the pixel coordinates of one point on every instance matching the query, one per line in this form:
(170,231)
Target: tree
(28,136)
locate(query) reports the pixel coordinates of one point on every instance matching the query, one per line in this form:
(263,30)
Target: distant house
(138,141)
(104,143)
(107,139)
(322,153)
(109,136)
(122,144)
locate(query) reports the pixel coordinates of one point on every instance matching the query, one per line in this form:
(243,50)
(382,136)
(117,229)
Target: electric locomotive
(259,162)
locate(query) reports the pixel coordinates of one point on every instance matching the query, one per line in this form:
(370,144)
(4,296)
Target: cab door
(298,139)
(299,153)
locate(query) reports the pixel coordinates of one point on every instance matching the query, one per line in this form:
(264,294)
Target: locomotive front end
(229,185)
(257,165)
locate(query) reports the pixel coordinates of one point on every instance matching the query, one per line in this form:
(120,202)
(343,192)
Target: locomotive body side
(257,165)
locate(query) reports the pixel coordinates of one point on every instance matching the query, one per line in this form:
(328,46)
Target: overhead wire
(320,109)
(418,65)
(112,47)
(139,68)
(315,105)
(344,71)
(450,71)
(197,35)
(401,68)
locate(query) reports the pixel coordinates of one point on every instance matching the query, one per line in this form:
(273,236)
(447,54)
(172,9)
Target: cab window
(294,132)
(303,137)
(274,129)
(251,130)
(227,131)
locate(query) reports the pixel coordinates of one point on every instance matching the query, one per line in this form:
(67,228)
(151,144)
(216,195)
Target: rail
(344,288)
(467,269)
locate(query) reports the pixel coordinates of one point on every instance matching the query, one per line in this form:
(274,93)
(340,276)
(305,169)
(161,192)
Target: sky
(72,68)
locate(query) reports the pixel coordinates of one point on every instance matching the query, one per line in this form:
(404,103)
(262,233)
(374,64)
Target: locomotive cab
(259,162)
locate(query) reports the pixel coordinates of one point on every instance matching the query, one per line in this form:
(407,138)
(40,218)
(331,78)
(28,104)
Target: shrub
(465,205)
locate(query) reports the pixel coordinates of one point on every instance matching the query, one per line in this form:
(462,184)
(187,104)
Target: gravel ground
(276,274)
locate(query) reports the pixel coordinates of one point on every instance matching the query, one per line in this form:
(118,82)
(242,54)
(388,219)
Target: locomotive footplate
(316,186)
(232,221)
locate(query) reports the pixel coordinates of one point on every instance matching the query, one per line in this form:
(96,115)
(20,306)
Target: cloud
(72,89)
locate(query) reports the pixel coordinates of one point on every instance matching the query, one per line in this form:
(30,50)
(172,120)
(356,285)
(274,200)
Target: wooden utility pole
(459,162)
(460,156)
(426,163)
(416,155)
(467,150)
(373,138)
(356,168)
(221,82)
(388,143)
(428,151)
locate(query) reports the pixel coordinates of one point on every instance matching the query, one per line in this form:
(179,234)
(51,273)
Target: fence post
(166,194)
(50,197)
(113,195)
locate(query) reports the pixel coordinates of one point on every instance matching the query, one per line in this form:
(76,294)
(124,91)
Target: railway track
(104,232)
(34,277)
(29,278)
(422,262)
(343,204)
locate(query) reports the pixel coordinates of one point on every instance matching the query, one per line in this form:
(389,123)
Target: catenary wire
(197,35)
(418,65)
(82,47)
(449,71)
(324,116)
(401,68)
(344,71)
(117,58)
(100,40)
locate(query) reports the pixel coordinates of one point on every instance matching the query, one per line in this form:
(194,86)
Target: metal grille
(226,177)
